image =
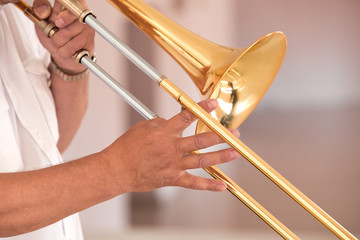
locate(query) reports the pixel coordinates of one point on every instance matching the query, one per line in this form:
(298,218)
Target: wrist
(69,75)
(65,75)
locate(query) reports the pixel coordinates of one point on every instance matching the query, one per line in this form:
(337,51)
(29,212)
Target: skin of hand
(71,37)
(157,156)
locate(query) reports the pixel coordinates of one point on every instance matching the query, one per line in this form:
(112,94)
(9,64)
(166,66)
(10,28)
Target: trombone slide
(86,16)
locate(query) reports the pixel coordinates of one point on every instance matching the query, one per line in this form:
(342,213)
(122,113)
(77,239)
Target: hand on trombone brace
(152,154)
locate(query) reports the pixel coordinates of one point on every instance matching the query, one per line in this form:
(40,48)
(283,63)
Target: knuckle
(171,179)
(158,121)
(200,141)
(64,52)
(166,181)
(57,40)
(186,116)
(61,37)
(217,138)
(66,34)
(58,44)
(195,185)
(221,157)
(201,161)
(212,138)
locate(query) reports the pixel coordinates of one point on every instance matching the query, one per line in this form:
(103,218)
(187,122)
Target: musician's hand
(72,36)
(152,154)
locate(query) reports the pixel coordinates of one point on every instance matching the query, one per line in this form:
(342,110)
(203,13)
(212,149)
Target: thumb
(42,8)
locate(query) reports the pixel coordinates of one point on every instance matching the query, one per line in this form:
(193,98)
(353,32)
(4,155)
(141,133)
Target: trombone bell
(241,87)
(237,77)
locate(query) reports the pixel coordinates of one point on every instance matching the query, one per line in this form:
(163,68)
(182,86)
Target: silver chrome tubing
(123,48)
(117,87)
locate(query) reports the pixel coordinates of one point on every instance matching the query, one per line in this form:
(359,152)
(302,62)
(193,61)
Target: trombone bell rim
(246,80)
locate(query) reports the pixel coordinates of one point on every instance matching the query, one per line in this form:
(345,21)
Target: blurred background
(306,127)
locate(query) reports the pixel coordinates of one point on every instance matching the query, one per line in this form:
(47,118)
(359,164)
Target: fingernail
(59,22)
(43,11)
(213,103)
(221,187)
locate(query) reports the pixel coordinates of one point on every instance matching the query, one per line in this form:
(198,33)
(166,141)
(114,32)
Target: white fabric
(28,125)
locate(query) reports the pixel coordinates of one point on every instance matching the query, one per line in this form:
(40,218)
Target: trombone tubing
(216,173)
(225,134)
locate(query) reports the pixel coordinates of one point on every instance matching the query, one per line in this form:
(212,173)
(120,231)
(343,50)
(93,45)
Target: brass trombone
(237,77)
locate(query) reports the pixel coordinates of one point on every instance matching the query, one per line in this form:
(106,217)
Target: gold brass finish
(78,55)
(251,203)
(237,77)
(48,28)
(76,8)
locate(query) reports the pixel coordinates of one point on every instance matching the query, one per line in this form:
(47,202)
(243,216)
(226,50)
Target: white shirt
(28,124)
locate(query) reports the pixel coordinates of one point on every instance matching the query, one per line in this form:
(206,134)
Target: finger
(199,183)
(42,8)
(64,35)
(77,43)
(201,141)
(204,160)
(208,104)
(57,8)
(198,141)
(63,18)
(235,132)
(182,120)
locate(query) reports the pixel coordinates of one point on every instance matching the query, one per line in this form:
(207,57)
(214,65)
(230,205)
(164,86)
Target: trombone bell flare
(237,77)
(246,80)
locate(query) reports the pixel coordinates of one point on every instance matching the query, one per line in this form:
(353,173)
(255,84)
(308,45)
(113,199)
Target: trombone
(238,77)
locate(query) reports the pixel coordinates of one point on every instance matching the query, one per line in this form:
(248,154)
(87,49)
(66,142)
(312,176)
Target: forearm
(34,199)
(71,100)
